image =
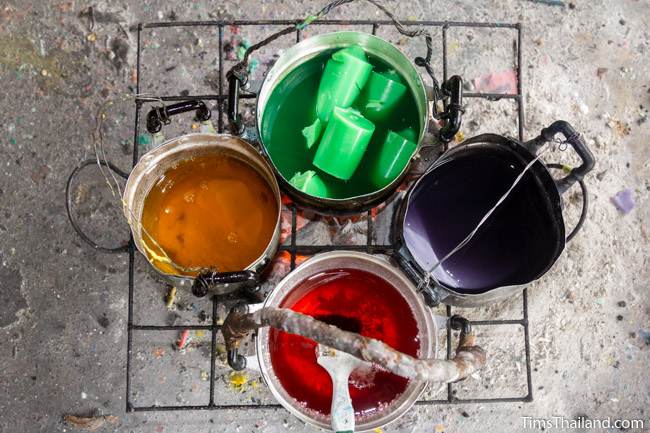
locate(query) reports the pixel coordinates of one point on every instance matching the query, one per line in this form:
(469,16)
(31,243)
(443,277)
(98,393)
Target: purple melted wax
(517,244)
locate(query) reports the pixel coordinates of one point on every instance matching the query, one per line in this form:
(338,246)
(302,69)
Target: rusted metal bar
(468,359)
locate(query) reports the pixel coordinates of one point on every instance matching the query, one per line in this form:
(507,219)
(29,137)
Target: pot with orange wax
(204,208)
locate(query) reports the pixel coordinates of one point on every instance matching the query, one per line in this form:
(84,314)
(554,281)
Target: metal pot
(309,49)
(517,245)
(157,161)
(428,326)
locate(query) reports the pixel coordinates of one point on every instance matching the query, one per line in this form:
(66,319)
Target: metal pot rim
(354,259)
(306,50)
(183,144)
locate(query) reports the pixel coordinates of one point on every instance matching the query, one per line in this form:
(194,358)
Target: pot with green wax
(341,117)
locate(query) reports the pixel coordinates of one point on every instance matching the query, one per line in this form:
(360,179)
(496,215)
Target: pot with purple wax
(486,218)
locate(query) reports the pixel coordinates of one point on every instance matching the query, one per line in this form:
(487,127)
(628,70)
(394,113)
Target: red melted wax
(356,301)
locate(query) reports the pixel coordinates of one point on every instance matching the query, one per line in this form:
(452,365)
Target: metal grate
(293,248)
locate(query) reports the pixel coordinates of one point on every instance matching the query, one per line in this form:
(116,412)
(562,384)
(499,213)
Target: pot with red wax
(355,292)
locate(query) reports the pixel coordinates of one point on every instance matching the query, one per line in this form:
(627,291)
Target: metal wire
(585,203)
(102,161)
(240,70)
(427,277)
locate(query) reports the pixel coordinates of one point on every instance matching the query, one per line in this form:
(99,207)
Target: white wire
(98,138)
(100,156)
(469,237)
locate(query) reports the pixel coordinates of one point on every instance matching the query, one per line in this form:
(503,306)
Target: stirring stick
(339,365)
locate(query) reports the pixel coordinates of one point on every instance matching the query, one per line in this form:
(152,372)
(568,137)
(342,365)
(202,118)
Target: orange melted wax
(212,211)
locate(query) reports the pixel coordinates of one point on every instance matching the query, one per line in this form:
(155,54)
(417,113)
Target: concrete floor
(63,306)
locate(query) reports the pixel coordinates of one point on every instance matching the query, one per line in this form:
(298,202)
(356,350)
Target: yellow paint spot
(459,137)
(171,297)
(378,430)
(453,47)
(200,333)
(155,257)
(238,380)
(440,428)
(92,37)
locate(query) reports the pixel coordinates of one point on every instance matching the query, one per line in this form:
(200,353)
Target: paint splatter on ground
(624,201)
(498,82)
(238,381)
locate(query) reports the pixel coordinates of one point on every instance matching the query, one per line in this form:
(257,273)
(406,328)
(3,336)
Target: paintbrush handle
(342,410)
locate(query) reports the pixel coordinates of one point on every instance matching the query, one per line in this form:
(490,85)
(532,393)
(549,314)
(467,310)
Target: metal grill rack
(293,247)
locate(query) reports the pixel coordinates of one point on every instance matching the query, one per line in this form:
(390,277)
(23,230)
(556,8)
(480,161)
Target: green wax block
(353,50)
(380,96)
(392,74)
(344,143)
(344,76)
(312,132)
(394,155)
(410,134)
(310,183)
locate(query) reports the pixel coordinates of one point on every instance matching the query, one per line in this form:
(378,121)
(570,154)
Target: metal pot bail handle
(69,203)
(585,202)
(572,137)
(235,82)
(405,261)
(233,336)
(206,281)
(159,116)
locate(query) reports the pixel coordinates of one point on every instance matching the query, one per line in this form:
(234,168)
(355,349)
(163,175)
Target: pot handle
(459,323)
(236,361)
(234,84)
(69,203)
(429,291)
(431,297)
(572,137)
(159,116)
(207,280)
(585,202)
(452,116)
